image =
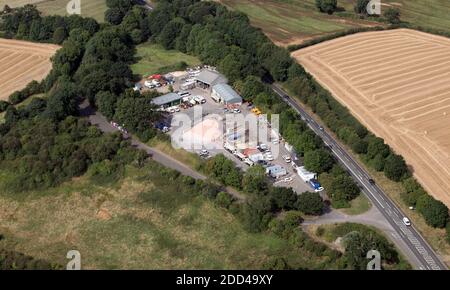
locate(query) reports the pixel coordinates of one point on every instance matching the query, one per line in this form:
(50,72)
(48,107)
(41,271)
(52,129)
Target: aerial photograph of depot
(224,135)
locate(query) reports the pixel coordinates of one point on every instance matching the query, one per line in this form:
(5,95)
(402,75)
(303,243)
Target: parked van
(200,99)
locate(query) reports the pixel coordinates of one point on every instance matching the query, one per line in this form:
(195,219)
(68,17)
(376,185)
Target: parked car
(236,111)
(184,94)
(268,157)
(263,163)
(248,162)
(263,147)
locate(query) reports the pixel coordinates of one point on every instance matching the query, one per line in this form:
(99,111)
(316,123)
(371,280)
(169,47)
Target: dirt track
(21,62)
(397,83)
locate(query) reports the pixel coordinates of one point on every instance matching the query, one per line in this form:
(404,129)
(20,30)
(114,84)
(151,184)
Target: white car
(287,158)
(236,111)
(275,141)
(406,221)
(248,162)
(263,147)
(149,84)
(268,157)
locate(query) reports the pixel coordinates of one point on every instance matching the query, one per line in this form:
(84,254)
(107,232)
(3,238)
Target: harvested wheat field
(21,62)
(397,83)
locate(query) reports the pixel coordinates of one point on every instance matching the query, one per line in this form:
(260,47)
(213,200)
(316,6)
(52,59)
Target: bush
(395,167)
(434,211)
(392,15)
(224,200)
(3,106)
(327,6)
(310,203)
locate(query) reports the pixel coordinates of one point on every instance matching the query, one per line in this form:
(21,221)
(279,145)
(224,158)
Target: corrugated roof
(210,77)
(227,93)
(165,99)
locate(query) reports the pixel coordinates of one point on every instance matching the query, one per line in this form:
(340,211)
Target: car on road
(371,181)
(287,158)
(406,221)
(321,128)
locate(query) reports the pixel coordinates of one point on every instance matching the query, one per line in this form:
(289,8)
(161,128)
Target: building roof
(227,93)
(211,77)
(275,169)
(166,99)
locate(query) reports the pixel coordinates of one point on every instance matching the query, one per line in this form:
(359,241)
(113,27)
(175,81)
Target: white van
(200,99)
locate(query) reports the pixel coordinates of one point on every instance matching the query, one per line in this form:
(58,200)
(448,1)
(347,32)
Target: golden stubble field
(21,62)
(397,83)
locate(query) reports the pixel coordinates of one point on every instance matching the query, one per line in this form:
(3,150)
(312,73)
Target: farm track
(397,84)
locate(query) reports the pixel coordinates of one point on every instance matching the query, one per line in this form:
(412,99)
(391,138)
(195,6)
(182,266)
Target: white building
(304,174)
(225,94)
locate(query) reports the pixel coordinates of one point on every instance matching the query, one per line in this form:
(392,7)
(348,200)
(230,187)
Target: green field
(147,220)
(89,8)
(359,205)
(427,13)
(152,58)
(291,21)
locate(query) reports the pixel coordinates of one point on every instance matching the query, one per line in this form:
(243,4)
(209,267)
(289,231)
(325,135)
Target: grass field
(152,58)
(292,21)
(359,205)
(427,13)
(144,221)
(188,158)
(89,8)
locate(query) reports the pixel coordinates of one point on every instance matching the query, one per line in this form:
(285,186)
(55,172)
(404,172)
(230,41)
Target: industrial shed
(208,79)
(167,100)
(225,94)
(276,171)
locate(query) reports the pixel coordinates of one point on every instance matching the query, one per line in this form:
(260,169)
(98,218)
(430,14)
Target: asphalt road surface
(426,258)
